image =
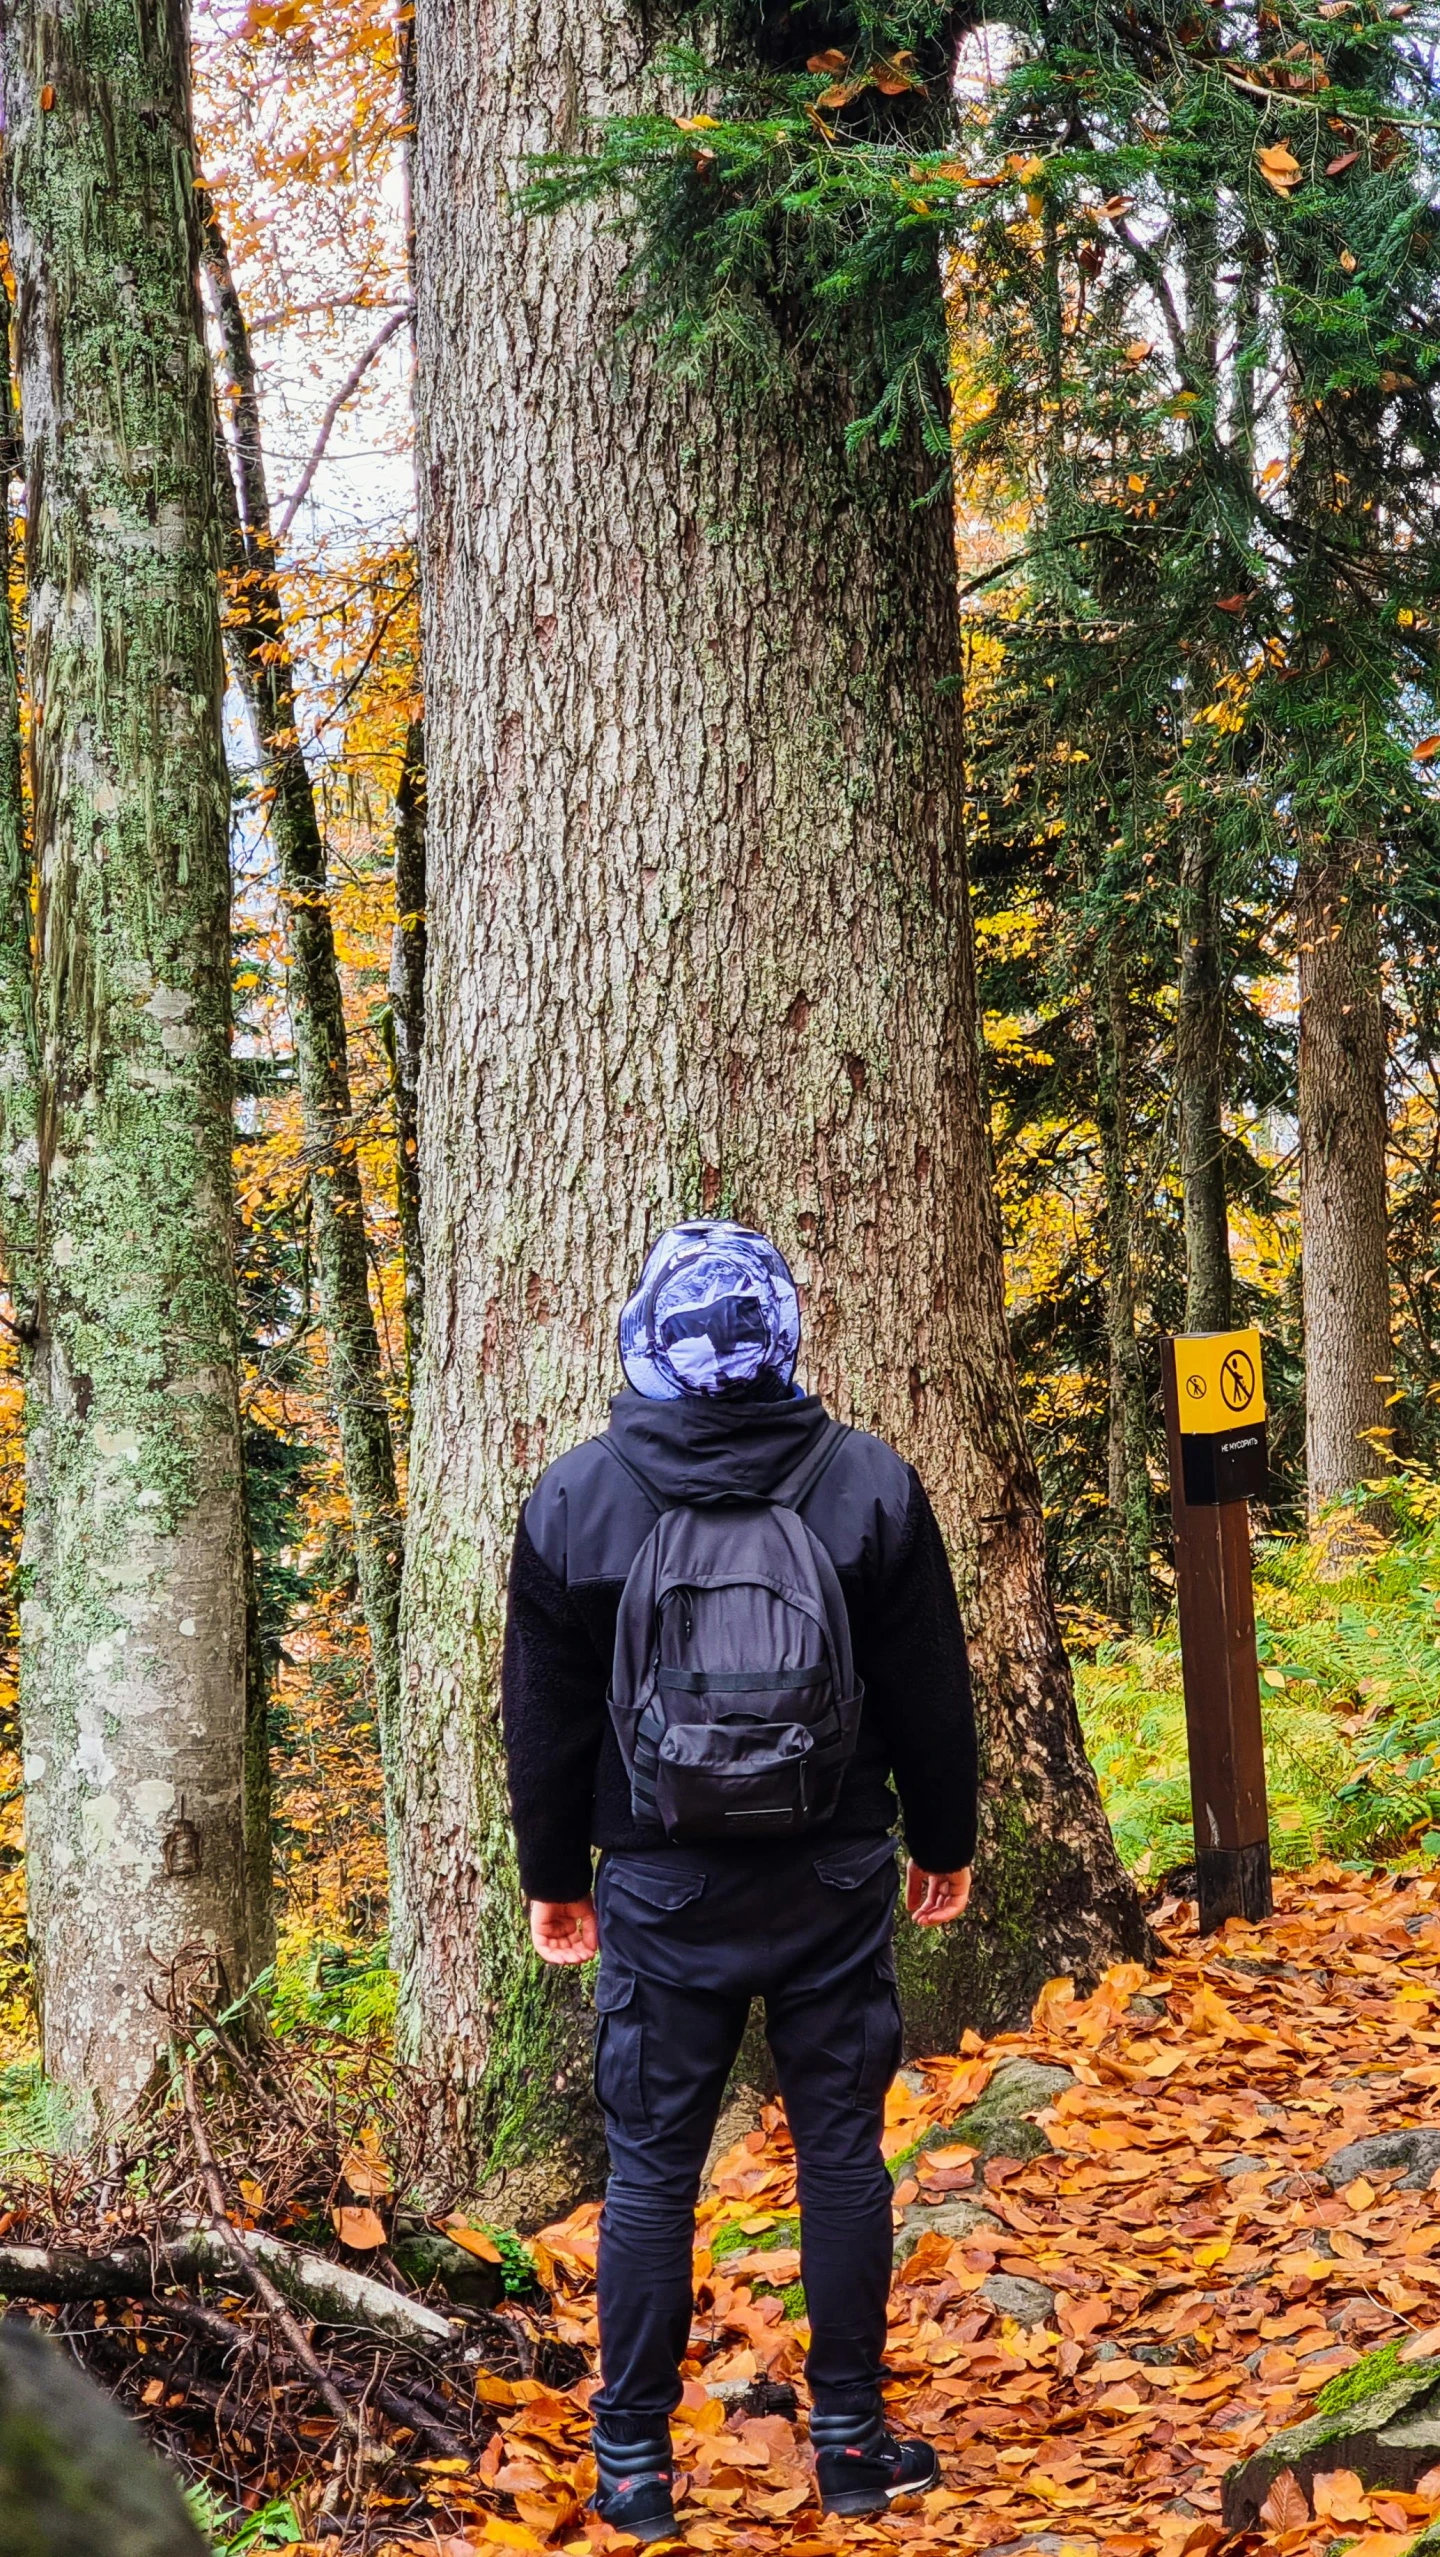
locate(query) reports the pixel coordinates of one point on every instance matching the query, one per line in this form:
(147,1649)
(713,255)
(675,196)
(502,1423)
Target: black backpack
(734,1693)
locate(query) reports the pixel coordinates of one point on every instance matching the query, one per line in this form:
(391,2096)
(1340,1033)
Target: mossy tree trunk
(1344,1262)
(19,1060)
(264,669)
(134,1700)
(699,941)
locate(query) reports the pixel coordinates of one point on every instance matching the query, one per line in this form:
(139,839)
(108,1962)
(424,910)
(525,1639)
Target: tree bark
(133,1660)
(19,1059)
(407,1018)
(699,942)
(1130,1598)
(264,669)
(1344,1262)
(1199,1088)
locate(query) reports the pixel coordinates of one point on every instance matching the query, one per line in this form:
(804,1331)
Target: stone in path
(1417,2151)
(1015,2295)
(1001,2124)
(1381,2418)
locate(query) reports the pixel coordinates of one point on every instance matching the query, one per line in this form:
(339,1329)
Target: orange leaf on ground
(1285,2507)
(359,2227)
(473,2240)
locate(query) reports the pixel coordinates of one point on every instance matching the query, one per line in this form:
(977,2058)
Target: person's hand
(564,1930)
(933,1899)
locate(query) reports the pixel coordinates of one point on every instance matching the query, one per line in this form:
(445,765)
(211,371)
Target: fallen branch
(331,2294)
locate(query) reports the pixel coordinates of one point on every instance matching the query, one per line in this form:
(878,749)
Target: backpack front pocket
(735,1778)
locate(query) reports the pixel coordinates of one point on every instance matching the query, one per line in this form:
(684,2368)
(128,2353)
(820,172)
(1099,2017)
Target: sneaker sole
(865,2500)
(644,2531)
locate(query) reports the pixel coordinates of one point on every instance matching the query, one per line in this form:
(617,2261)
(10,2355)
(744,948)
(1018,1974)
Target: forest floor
(1207,2282)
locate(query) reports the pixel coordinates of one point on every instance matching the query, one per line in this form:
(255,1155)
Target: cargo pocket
(620,2051)
(846,1866)
(658,1886)
(884,2036)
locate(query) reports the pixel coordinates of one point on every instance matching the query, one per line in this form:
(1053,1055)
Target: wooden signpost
(1215,1424)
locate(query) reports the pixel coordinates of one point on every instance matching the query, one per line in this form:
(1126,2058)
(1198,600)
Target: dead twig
(260,2283)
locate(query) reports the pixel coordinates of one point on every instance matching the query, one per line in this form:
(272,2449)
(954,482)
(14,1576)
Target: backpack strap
(641,1481)
(798,1486)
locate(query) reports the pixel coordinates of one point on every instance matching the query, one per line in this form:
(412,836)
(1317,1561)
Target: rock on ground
(76,2478)
(1388,2433)
(1417,2151)
(425,2255)
(1000,2125)
(1015,2295)
(957,2216)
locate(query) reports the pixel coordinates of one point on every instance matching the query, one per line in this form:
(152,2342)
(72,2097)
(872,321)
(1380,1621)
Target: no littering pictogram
(1237,1380)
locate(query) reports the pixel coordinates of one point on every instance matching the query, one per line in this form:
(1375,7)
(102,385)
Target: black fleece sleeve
(552,1696)
(917,1679)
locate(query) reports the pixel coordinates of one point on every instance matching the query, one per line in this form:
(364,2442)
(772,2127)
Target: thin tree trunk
(1129,1433)
(1344,1264)
(699,941)
(1199,1088)
(133,1661)
(407,1017)
(260,654)
(19,1058)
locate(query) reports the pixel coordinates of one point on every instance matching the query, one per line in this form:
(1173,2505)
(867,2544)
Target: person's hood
(716,1447)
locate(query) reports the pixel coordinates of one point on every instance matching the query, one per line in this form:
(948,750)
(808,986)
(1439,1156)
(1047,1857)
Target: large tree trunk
(407,1029)
(699,941)
(133,1666)
(1344,1267)
(264,670)
(1199,1088)
(1130,1595)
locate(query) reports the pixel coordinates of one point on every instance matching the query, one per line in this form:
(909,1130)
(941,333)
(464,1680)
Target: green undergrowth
(275,2525)
(317,1985)
(1350,1688)
(36,2119)
(731,2239)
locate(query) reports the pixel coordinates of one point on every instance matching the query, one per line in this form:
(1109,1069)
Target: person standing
(731,1629)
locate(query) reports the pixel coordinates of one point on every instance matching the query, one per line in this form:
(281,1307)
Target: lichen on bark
(135,1704)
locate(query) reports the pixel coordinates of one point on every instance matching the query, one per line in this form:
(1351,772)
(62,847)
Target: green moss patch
(733,2240)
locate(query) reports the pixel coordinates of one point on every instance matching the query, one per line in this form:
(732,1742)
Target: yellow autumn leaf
(492,2391)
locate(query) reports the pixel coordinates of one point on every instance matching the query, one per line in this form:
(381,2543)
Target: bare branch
(348,387)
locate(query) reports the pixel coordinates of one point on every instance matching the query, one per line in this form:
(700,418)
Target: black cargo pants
(687,1937)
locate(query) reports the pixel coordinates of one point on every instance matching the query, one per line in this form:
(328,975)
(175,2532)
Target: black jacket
(580,1531)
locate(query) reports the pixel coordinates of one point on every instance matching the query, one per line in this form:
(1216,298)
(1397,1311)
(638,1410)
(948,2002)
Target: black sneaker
(862,2468)
(635,2487)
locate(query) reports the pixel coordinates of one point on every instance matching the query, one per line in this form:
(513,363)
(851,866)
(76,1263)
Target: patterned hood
(715,1313)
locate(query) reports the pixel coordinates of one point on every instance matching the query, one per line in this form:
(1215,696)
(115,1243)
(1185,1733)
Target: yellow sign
(1218,1381)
